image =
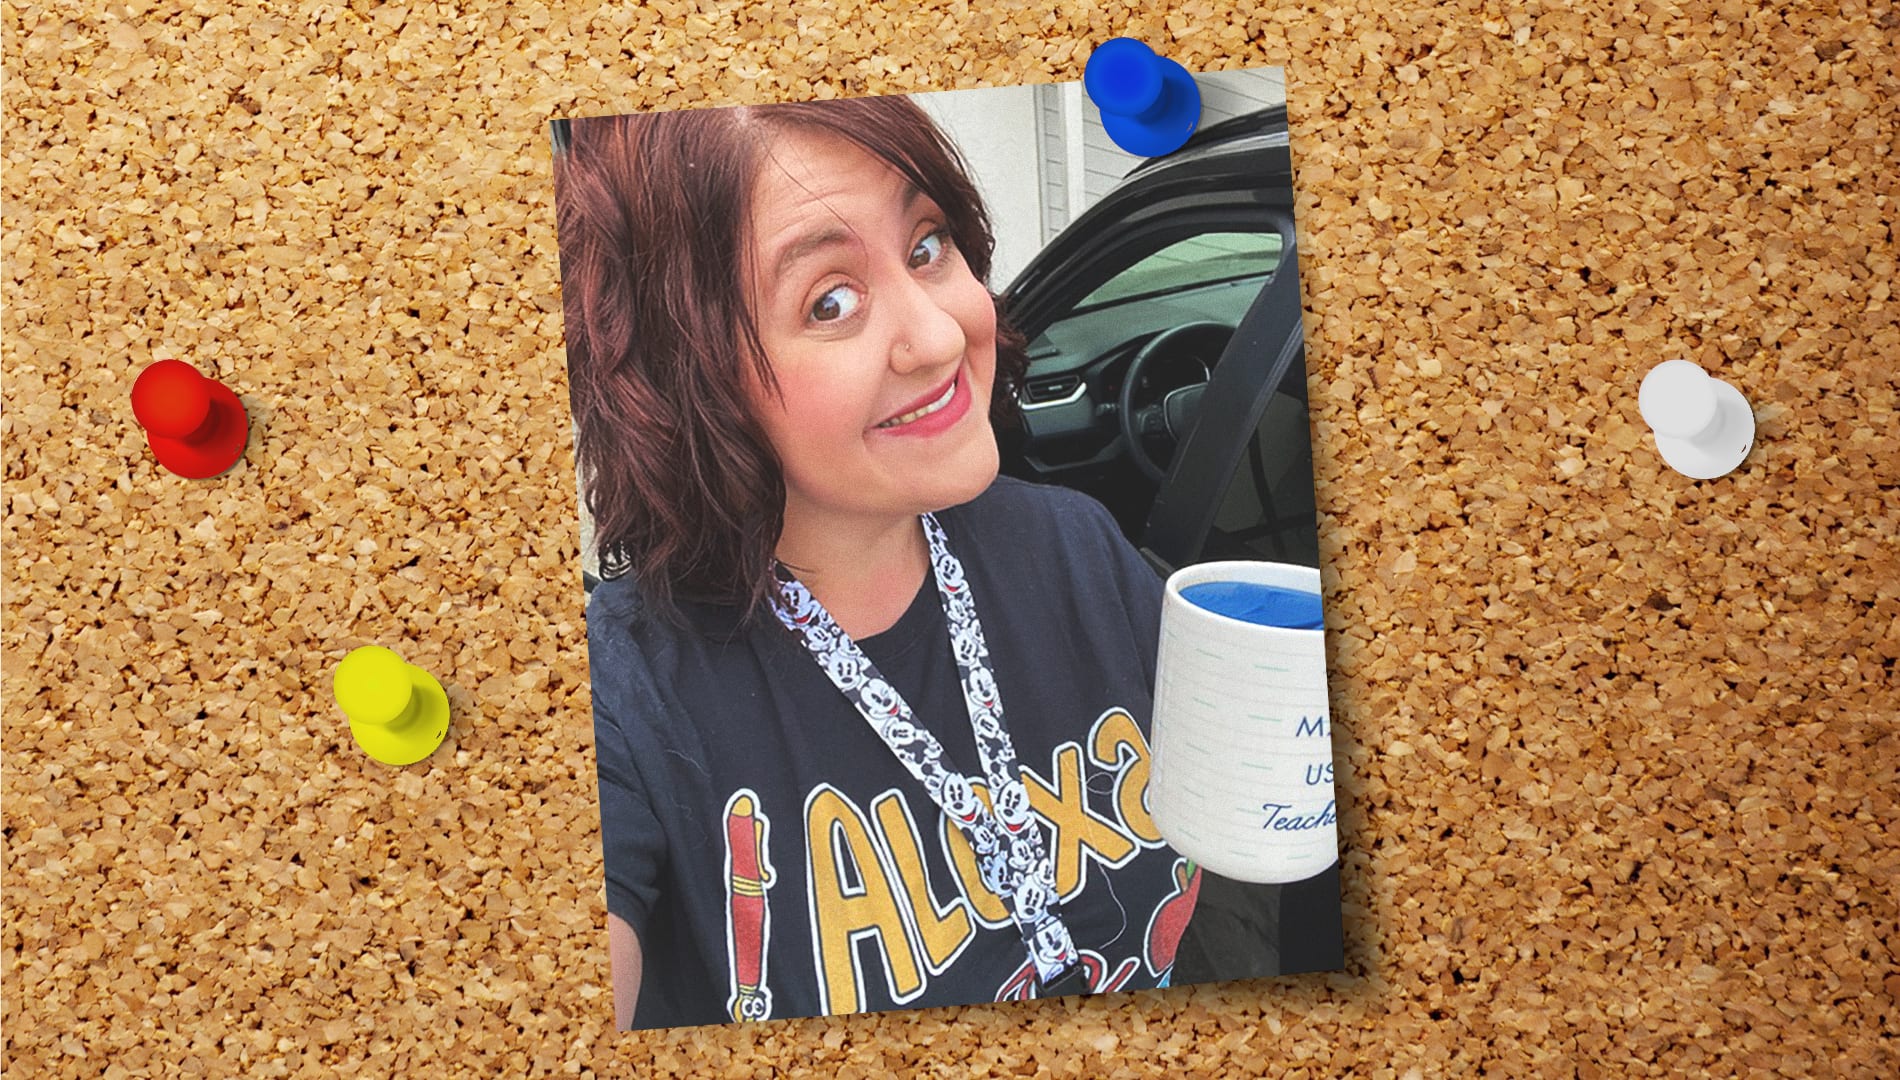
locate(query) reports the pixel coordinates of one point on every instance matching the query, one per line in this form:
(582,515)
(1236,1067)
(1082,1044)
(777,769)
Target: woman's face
(882,340)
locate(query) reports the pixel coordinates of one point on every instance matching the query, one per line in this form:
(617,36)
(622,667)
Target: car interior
(1115,385)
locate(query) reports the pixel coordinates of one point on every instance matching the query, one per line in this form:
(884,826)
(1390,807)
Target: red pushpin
(196,426)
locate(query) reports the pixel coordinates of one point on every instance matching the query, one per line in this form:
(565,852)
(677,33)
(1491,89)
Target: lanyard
(1008,845)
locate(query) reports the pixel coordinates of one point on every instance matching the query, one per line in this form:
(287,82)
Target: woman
(871,721)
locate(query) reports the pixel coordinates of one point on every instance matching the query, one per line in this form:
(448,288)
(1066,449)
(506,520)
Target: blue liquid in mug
(1262,605)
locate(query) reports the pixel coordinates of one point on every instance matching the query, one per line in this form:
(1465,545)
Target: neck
(865,572)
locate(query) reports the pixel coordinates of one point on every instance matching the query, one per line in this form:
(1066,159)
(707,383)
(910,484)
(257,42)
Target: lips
(938,397)
(930,417)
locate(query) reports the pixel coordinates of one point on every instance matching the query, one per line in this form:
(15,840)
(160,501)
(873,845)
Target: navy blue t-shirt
(774,857)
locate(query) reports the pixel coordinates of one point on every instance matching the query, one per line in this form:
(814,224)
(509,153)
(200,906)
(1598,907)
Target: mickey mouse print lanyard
(1008,845)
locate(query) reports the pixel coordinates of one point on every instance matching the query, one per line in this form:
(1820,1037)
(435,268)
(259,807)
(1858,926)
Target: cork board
(1617,748)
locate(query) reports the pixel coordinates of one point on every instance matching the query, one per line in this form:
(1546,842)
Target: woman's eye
(835,304)
(927,251)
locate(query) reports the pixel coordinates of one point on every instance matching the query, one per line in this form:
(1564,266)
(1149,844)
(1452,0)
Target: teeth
(925,411)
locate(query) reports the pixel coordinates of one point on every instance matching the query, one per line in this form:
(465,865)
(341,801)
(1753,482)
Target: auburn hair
(652,212)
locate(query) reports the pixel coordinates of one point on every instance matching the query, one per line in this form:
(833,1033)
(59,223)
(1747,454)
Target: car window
(1191,263)
(1210,276)
(1268,509)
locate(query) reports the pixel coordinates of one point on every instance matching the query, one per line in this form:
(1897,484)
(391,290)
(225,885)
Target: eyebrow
(809,245)
(812,243)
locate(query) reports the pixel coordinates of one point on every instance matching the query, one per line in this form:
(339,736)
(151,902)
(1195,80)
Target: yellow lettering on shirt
(1065,806)
(1115,730)
(941,931)
(843,914)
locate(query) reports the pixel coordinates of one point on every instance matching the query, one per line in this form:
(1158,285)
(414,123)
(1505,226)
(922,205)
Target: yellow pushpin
(398,712)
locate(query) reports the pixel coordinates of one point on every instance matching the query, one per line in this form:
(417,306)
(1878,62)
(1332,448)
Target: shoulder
(1037,532)
(640,656)
(614,598)
(617,611)
(629,646)
(616,614)
(617,658)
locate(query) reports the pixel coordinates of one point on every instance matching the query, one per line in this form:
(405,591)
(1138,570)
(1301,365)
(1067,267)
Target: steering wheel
(1172,416)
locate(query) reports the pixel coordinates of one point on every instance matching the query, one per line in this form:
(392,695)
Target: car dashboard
(1070,398)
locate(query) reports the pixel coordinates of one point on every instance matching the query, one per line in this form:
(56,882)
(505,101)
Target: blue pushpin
(1149,103)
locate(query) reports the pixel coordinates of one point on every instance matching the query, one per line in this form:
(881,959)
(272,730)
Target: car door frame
(1266,356)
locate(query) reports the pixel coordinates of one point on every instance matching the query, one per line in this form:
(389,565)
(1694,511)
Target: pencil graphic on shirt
(748,923)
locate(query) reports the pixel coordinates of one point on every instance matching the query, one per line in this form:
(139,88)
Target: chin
(975,473)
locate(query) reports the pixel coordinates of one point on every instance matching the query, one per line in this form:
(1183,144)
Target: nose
(928,336)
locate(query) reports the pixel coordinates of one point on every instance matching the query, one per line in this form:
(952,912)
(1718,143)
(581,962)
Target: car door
(1205,236)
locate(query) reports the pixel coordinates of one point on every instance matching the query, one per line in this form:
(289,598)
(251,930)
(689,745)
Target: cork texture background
(1619,748)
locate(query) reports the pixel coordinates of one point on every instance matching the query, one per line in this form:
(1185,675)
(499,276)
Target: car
(1167,371)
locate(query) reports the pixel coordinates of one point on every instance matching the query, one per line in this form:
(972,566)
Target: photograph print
(899,422)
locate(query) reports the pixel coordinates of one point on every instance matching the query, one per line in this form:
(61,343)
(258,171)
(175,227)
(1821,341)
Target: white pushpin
(1703,426)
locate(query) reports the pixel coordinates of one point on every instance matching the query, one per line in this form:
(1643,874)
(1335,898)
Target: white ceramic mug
(1242,779)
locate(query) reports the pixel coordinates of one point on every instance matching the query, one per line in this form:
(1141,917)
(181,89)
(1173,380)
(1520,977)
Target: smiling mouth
(935,406)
